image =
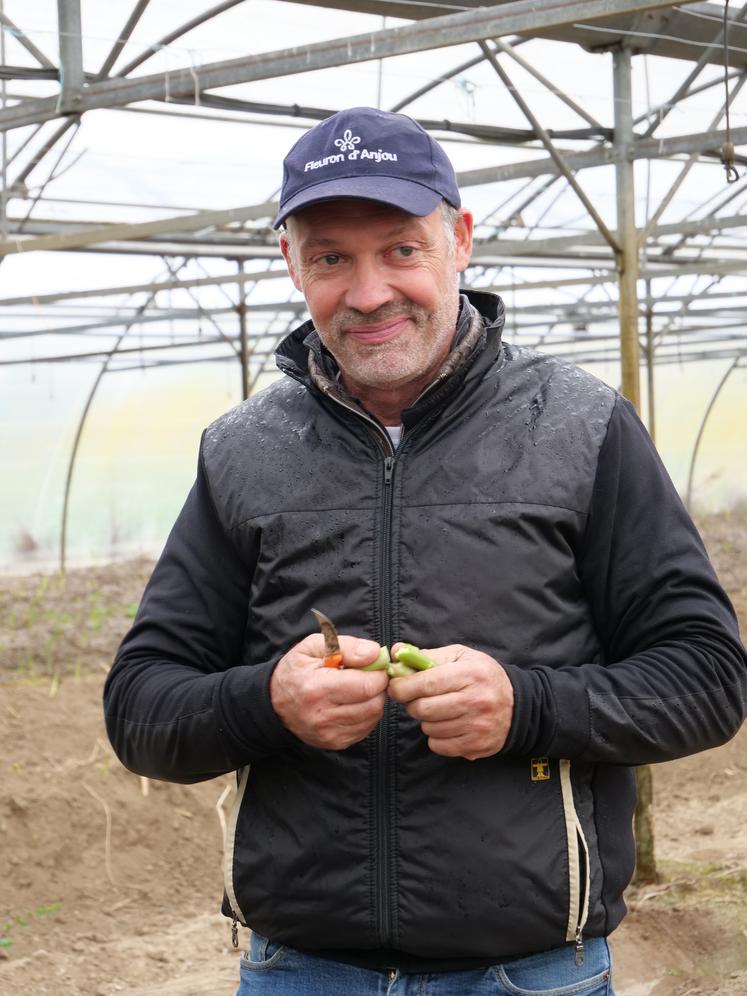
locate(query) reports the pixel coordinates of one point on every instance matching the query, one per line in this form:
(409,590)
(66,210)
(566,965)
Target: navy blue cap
(364,152)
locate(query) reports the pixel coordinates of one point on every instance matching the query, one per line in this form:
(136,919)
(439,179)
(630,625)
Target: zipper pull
(388,469)
(234,930)
(579,947)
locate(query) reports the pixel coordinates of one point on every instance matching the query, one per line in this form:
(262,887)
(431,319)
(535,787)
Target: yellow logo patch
(540,768)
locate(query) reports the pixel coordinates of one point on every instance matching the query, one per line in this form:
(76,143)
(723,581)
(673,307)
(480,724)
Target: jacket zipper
(229,856)
(583,908)
(381,773)
(579,869)
(382,782)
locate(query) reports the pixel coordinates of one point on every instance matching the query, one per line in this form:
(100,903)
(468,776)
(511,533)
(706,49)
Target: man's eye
(331,259)
(405,251)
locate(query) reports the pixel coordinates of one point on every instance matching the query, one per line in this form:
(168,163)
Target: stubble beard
(419,350)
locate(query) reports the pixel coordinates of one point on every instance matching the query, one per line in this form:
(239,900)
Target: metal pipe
(176,33)
(108,233)
(514,17)
(76,441)
(701,430)
(700,226)
(81,424)
(650,148)
(650,361)
(71,57)
(627,256)
(163,285)
(682,89)
(667,199)
(694,91)
(4,177)
(547,142)
(45,149)
(24,40)
(443,78)
(509,50)
(124,37)
(208,314)
(243,340)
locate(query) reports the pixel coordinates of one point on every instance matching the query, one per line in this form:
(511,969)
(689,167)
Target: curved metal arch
(84,415)
(709,409)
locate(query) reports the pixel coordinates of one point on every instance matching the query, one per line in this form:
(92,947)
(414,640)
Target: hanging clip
(727,158)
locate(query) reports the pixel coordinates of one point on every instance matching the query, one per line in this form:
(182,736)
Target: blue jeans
(273,968)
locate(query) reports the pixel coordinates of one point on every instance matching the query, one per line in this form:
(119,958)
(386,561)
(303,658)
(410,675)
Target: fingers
(356,653)
(446,677)
(328,707)
(436,708)
(464,707)
(459,747)
(350,685)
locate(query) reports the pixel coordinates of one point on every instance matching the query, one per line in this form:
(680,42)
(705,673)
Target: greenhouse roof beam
(164,285)
(648,272)
(673,33)
(24,40)
(552,87)
(485,133)
(700,226)
(439,32)
(183,29)
(123,38)
(684,88)
(71,58)
(104,234)
(555,154)
(138,230)
(649,148)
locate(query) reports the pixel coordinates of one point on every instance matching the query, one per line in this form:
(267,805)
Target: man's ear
(463,237)
(288,257)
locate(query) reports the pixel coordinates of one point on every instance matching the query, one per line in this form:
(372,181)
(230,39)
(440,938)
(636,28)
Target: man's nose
(368,289)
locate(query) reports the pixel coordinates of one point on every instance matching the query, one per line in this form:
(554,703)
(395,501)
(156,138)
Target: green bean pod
(413,658)
(381,663)
(398,669)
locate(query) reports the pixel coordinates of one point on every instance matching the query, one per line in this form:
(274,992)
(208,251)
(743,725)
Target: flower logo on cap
(348,141)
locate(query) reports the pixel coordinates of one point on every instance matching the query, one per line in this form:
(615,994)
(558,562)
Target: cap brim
(411,197)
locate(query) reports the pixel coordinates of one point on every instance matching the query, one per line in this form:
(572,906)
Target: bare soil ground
(110,884)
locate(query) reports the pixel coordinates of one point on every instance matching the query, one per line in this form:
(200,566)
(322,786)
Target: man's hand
(464,706)
(329,707)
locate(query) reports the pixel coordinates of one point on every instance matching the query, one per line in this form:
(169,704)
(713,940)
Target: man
(466,829)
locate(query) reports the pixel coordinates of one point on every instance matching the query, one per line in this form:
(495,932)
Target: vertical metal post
(627,268)
(71,56)
(4,177)
(380,72)
(650,360)
(627,255)
(244,355)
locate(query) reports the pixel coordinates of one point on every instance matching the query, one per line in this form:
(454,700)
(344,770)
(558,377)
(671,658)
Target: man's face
(381,288)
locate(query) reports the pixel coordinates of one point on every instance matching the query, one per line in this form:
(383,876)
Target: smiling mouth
(372,335)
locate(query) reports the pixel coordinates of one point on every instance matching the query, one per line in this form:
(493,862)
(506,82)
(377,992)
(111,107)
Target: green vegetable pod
(413,658)
(398,669)
(381,663)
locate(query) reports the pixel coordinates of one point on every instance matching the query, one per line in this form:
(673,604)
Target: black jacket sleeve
(672,677)
(177,706)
